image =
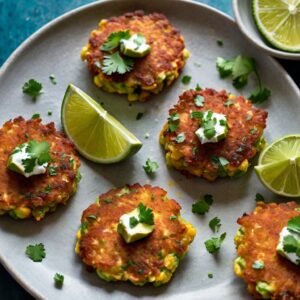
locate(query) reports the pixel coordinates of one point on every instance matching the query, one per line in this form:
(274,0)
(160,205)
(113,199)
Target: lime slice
(97,135)
(279,22)
(279,166)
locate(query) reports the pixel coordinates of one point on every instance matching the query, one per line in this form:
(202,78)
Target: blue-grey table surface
(18,20)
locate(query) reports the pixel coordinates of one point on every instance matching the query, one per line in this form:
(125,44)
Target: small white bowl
(243,15)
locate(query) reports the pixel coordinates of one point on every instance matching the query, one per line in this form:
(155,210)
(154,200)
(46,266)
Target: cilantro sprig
(202,206)
(32,88)
(145,216)
(240,68)
(214,244)
(215,224)
(36,252)
(173,122)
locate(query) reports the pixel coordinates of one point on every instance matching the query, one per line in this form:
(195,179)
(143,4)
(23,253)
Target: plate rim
(33,291)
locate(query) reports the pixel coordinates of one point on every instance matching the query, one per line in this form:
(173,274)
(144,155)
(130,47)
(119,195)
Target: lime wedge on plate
(279,166)
(96,134)
(279,22)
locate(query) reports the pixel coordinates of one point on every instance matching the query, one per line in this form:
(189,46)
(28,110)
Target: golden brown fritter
(244,139)
(257,239)
(152,72)
(22,197)
(151,259)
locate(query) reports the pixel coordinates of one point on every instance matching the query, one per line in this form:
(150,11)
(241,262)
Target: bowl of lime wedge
(271,25)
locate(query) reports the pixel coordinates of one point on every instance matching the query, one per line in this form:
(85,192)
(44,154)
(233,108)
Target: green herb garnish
(198,87)
(150,166)
(145,214)
(210,275)
(172,218)
(186,79)
(133,221)
(294,225)
(259,197)
(215,224)
(180,138)
(173,122)
(258,265)
(53,79)
(35,116)
(33,88)
(114,39)
(220,43)
(36,252)
(52,171)
(202,206)
(139,116)
(214,244)
(199,101)
(114,63)
(59,280)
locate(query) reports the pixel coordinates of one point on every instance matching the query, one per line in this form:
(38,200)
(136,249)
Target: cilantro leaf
(242,68)
(258,265)
(290,244)
(221,163)
(173,122)
(259,95)
(259,197)
(196,115)
(210,275)
(220,43)
(113,41)
(53,79)
(32,88)
(225,67)
(186,79)
(115,63)
(145,214)
(180,138)
(214,244)
(215,224)
(199,101)
(52,171)
(35,116)
(59,280)
(36,252)
(139,116)
(202,206)
(133,221)
(294,224)
(150,166)
(198,87)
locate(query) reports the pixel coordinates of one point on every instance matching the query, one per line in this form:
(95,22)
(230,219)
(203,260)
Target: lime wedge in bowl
(279,166)
(279,22)
(97,135)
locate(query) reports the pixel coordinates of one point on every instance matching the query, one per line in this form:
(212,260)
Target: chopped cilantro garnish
(36,252)
(133,221)
(214,244)
(52,171)
(172,218)
(35,116)
(294,225)
(150,166)
(220,43)
(196,115)
(173,122)
(107,201)
(199,100)
(139,116)
(215,224)
(290,244)
(145,214)
(259,197)
(180,138)
(48,189)
(186,79)
(115,63)
(202,206)
(59,280)
(198,87)
(38,154)
(258,265)
(32,88)
(113,41)
(221,163)
(92,217)
(53,79)
(49,113)
(210,275)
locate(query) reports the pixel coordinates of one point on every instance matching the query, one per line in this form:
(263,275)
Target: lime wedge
(97,135)
(279,22)
(279,166)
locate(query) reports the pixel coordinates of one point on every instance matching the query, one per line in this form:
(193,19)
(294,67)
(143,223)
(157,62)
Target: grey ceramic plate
(55,49)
